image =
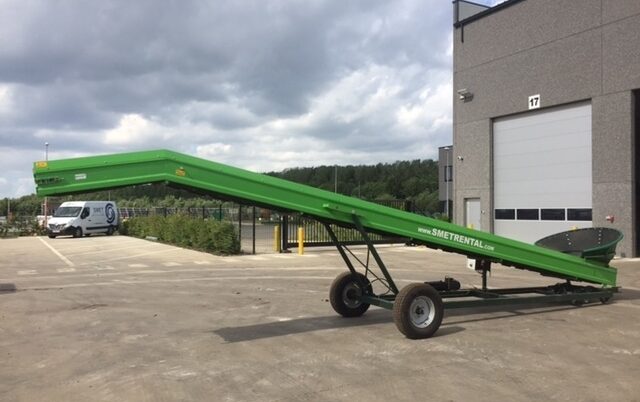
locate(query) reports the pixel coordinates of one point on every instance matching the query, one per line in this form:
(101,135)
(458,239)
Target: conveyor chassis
(578,255)
(418,308)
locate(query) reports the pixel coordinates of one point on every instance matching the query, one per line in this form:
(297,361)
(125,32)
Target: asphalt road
(123,319)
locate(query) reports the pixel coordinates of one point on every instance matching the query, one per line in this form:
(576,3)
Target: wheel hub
(351,295)
(422,312)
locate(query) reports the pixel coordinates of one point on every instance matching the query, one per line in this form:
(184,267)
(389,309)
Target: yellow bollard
(300,241)
(276,239)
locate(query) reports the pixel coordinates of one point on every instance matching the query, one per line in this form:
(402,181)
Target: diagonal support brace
(340,248)
(374,253)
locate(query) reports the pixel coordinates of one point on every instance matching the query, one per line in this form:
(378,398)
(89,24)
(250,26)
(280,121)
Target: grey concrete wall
(636,168)
(614,10)
(566,52)
(472,169)
(561,72)
(523,26)
(613,172)
(621,54)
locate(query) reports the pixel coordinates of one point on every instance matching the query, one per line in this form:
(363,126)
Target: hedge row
(183,231)
(21,226)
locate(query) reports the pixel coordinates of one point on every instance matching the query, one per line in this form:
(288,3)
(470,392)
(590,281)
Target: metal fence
(316,235)
(205,213)
(256,227)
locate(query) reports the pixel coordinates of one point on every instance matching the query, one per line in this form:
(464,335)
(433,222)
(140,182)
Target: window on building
(448,173)
(528,214)
(579,214)
(552,214)
(505,214)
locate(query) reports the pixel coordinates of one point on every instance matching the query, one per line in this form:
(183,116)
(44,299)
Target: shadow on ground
(7,288)
(300,325)
(627,294)
(450,324)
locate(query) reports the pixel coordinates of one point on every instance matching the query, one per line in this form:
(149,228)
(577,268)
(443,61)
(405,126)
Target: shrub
(183,231)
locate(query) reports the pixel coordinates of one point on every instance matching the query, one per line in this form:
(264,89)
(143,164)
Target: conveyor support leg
(375,254)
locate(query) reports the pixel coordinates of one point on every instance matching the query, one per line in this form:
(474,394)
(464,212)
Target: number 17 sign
(534,102)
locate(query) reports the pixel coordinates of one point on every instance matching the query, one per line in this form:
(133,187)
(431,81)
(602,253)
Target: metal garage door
(542,172)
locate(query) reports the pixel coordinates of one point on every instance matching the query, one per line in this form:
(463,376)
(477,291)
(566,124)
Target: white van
(83,218)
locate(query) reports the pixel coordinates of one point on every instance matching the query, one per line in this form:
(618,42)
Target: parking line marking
(179,280)
(66,269)
(171,264)
(56,252)
(131,256)
(202,262)
(125,273)
(138,266)
(107,250)
(27,272)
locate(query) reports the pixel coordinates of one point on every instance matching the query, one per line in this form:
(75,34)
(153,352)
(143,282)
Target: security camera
(464,95)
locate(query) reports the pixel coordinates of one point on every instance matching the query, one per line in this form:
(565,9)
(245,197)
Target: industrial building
(546,117)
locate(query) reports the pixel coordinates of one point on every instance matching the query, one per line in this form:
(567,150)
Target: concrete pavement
(123,319)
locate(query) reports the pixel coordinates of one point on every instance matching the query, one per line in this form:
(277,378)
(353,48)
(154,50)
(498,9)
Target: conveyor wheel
(345,294)
(418,311)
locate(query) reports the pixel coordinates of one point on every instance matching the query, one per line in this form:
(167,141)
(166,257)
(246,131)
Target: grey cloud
(150,93)
(226,68)
(66,106)
(280,51)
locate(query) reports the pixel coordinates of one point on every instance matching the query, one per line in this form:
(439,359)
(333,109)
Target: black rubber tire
(110,231)
(412,299)
(344,293)
(52,236)
(77,232)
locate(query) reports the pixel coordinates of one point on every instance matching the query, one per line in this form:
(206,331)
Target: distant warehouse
(547,117)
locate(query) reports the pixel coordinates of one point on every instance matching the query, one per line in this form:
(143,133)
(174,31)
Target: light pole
(46,215)
(335,176)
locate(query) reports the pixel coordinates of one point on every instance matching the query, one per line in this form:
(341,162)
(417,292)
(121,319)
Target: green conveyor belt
(79,175)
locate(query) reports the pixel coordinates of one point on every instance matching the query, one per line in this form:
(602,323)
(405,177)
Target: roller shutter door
(542,172)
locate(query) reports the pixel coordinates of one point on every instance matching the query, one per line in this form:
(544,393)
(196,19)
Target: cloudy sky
(262,85)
